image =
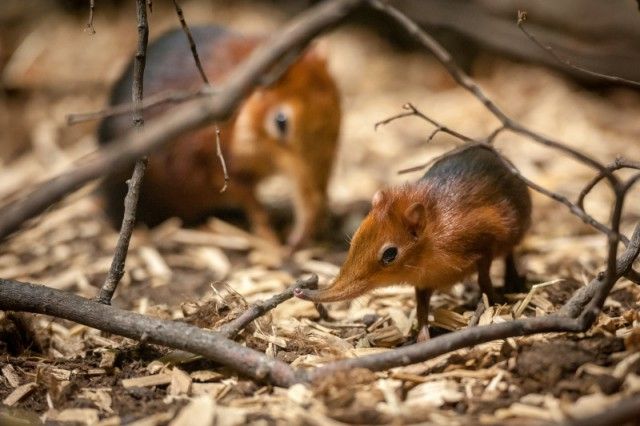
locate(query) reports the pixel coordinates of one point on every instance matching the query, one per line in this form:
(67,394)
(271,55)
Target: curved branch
(440,345)
(232,328)
(619,163)
(413,111)
(441,54)
(26,297)
(522,18)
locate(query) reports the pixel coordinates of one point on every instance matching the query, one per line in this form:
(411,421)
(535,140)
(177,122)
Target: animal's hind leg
(513,281)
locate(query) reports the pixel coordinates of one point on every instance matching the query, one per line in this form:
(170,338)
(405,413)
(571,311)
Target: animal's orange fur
(184,179)
(445,227)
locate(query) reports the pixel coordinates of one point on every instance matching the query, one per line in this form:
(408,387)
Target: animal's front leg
(308,203)
(484,278)
(423,297)
(256,213)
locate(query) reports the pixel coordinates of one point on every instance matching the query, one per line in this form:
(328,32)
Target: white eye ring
(388,254)
(279,122)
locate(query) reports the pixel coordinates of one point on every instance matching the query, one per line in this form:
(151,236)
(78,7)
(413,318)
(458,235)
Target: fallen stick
(232,328)
(26,297)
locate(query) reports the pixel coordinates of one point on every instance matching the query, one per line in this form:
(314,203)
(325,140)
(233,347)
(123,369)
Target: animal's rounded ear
(318,50)
(378,198)
(415,218)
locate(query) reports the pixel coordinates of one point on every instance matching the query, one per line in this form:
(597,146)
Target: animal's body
(467,210)
(290,126)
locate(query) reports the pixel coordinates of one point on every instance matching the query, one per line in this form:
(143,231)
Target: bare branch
(89,27)
(577,210)
(116,271)
(413,111)
(26,297)
(205,80)
(412,29)
(175,97)
(232,328)
(619,163)
(573,208)
(581,298)
(522,18)
(192,43)
(139,63)
(223,163)
(122,152)
(434,347)
(602,292)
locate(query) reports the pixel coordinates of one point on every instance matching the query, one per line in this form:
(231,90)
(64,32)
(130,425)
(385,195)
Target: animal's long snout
(337,291)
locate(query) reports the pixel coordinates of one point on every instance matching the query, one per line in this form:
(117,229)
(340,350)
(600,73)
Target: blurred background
(51,66)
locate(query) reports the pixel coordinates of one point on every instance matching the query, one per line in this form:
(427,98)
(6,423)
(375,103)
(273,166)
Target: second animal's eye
(388,255)
(282,123)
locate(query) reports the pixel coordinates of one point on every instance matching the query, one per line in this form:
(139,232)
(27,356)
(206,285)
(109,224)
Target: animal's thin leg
(484,278)
(423,297)
(257,214)
(513,281)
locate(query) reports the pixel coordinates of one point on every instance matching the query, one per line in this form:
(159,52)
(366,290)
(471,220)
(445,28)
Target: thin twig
(413,111)
(619,163)
(139,63)
(475,319)
(175,97)
(223,163)
(522,18)
(573,208)
(192,43)
(581,298)
(466,82)
(205,80)
(597,302)
(116,271)
(232,328)
(89,27)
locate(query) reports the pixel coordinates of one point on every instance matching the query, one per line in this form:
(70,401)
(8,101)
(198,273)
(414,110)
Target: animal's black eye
(282,123)
(389,255)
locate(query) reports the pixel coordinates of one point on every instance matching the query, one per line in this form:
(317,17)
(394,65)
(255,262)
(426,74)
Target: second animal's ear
(318,50)
(378,198)
(414,218)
